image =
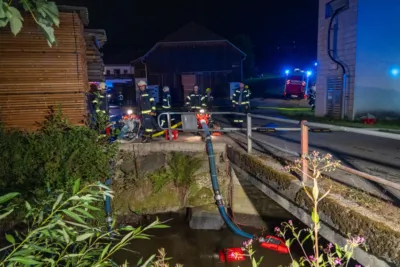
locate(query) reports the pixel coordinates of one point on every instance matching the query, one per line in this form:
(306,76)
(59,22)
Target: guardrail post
(169,126)
(249,141)
(304,150)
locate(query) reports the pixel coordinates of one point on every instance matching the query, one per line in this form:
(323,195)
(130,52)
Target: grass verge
(307,114)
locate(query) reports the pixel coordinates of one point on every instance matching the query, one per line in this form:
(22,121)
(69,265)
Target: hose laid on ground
(162,132)
(214,181)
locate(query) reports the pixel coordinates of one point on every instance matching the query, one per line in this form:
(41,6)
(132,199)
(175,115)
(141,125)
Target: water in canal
(195,248)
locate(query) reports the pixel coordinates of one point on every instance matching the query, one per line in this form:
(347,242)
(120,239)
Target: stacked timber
(95,39)
(34,76)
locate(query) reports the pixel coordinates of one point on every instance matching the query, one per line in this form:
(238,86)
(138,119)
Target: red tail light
(305,96)
(231,255)
(275,243)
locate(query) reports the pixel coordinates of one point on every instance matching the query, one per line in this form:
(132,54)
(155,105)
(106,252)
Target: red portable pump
(202,115)
(238,254)
(232,255)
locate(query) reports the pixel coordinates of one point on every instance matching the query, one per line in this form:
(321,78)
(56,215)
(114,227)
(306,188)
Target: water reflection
(197,247)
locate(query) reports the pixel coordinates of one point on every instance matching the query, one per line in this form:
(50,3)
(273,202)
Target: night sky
(134,26)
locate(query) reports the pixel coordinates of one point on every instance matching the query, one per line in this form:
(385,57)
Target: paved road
(373,155)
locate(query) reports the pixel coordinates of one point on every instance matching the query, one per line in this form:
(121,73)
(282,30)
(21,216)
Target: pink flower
(358,265)
(315,153)
(337,261)
(311,258)
(330,245)
(247,243)
(277,229)
(291,222)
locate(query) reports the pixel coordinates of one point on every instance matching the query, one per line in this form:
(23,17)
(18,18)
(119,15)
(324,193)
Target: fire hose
(268,242)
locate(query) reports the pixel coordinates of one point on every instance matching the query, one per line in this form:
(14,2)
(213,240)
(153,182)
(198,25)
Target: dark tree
(244,43)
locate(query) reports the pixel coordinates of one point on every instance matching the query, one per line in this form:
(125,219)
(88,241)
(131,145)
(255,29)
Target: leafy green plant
(53,157)
(182,170)
(160,178)
(57,232)
(44,13)
(333,254)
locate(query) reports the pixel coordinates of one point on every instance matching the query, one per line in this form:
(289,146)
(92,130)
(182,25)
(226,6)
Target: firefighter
(166,105)
(193,101)
(120,99)
(207,100)
(147,106)
(240,103)
(248,89)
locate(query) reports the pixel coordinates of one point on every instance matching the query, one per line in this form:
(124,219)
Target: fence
(304,145)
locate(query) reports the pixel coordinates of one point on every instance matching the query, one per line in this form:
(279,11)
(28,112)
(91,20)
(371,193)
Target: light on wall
(395,72)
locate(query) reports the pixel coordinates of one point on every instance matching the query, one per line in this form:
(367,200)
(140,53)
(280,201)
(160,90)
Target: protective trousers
(238,119)
(148,125)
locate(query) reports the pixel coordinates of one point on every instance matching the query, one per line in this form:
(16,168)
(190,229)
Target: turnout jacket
(147,104)
(207,101)
(166,102)
(244,100)
(194,100)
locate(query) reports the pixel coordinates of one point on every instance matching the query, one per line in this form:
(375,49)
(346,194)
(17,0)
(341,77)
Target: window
(108,72)
(125,71)
(117,71)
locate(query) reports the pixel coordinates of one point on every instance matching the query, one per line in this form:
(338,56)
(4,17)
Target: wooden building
(192,55)
(34,76)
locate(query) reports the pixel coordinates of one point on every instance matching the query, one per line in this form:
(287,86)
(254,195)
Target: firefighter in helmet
(240,103)
(147,106)
(166,105)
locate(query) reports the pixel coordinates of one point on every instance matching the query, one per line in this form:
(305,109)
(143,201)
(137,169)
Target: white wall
(123,69)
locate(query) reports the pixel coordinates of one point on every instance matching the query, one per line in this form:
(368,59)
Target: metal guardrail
(304,129)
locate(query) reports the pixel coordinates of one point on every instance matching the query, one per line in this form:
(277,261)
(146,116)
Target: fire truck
(296,84)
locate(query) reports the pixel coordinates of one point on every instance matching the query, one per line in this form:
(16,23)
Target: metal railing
(303,127)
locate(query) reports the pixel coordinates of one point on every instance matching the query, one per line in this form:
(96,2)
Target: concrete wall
(377,90)
(346,53)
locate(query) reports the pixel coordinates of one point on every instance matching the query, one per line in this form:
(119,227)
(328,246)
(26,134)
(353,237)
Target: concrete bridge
(258,178)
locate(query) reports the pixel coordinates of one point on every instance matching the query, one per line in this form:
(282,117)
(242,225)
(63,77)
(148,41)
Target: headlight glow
(130,111)
(201,110)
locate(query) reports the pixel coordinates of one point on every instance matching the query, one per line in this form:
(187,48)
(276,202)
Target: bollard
(169,126)
(304,150)
(249,129)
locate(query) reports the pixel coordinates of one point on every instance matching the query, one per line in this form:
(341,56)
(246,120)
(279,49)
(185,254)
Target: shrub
(57,232)
(52,157)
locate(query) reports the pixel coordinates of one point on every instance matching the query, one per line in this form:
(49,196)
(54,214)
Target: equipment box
(189,122)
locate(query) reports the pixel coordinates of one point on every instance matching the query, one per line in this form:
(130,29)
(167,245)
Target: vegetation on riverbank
(299,113)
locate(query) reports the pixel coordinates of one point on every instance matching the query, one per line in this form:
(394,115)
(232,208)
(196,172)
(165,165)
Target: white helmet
(142,83)
(102,86)
(166,88)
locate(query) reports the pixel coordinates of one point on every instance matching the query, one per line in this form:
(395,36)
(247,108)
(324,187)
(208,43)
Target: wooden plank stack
(95,39)
(34,76)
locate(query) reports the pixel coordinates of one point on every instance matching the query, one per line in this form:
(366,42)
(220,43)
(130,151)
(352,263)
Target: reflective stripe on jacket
(166,102)
(194,100)
(147,104)
(207,100)
(245,97)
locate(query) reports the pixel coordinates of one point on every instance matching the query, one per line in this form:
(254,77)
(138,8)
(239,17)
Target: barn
(192,55)
(34,76)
